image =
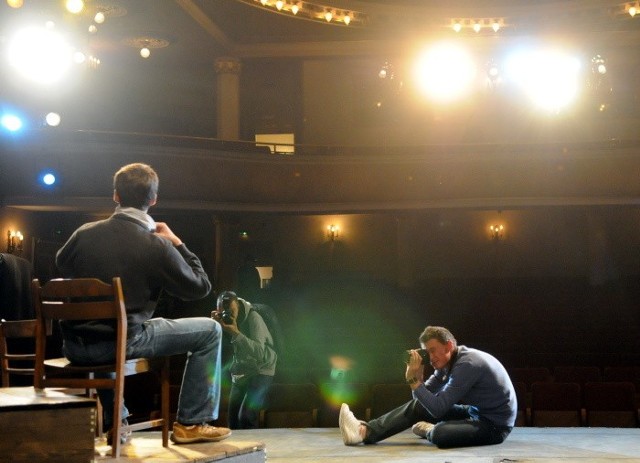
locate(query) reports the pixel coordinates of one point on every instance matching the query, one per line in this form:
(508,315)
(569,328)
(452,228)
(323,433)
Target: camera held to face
(423,353)
(226,314)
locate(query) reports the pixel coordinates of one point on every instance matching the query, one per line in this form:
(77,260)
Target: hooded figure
(254,359)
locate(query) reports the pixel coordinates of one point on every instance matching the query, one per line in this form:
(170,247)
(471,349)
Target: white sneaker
(349,426)
(422,428)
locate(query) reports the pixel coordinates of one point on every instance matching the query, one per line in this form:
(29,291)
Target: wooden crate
(46,426)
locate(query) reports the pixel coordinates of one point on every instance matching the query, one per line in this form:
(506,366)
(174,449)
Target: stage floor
(306,445)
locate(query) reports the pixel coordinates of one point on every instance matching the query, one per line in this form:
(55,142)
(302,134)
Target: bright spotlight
(40,54)
(550,78)
(48,178)
(445,72)
(53,119)
(11,122)
(74,6)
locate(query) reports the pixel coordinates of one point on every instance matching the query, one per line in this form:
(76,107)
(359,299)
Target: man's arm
(183,275)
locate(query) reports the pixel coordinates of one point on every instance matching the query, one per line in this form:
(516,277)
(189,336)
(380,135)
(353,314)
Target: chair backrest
(75,300)
(291,406)
(530,375)
(577,374)
(556,404)
(610,404)
(13,359)
(623,373)
(386,397)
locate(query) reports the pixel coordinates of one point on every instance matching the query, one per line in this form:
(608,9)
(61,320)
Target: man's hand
(415,368)
(162,229)
(231,328)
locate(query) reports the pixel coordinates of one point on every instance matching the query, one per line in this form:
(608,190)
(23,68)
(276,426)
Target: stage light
(74,6)
(48,178)
(40,54)
(445,72)
(53,119)
(11,122)
(548,77)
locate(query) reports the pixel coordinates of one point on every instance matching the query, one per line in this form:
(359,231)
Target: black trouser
(457,428)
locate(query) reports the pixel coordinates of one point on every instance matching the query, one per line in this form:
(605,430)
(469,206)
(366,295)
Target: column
(228,97)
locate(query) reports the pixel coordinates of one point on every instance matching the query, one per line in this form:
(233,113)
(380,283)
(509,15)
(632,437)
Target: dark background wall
(560,288)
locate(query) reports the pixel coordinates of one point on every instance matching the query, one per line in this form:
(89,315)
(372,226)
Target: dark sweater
(146,263)
(476,378)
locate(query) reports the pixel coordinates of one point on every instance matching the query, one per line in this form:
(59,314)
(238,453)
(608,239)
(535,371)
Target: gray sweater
(477,379)
(253,350)
(146,263)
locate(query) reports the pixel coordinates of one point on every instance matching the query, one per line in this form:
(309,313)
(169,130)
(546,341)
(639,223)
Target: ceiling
(175,86)
(199,30)
(173,82)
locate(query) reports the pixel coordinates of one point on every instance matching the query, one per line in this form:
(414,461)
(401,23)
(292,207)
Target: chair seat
(131,366)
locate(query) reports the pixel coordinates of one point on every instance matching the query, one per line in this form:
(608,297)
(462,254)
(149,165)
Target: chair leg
(116,428)
(165,401)
(99,416)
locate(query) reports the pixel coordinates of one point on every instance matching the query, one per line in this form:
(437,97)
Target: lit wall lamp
(496,232)
(333,231)
(14,241)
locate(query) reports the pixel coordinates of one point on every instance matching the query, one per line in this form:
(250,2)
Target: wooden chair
(12,362)
(92,299)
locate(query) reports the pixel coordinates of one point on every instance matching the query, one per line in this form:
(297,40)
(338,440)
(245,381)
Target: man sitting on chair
(148,257)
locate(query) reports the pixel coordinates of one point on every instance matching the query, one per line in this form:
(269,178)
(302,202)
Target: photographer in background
(468,400)
(254,359)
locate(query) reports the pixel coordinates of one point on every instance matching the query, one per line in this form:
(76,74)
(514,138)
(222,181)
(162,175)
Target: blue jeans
(198,337)
(459,427)
(247,398)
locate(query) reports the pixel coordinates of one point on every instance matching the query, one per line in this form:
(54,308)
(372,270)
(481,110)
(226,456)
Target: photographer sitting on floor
(468,400)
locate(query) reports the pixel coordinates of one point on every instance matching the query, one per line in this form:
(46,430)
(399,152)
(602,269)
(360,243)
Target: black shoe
(125,435)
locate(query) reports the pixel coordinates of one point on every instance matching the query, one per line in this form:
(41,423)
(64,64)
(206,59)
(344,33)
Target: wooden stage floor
(306,445)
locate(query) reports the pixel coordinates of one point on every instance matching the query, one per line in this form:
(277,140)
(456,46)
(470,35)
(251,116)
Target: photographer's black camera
(226,315)
(224,306)
(423,353)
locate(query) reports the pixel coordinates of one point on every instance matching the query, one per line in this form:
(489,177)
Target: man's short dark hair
(136,185)
(439,333)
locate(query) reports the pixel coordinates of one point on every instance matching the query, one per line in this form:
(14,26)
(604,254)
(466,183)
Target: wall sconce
(333,231)
(14,241)
(496,232)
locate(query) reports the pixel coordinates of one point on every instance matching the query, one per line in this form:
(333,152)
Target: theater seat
(610,404)
(291,406)
(556,405)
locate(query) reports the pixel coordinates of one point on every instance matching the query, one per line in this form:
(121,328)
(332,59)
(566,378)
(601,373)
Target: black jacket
(146,264)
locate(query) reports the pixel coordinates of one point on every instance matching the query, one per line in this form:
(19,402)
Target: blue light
(11,122)
(48,179)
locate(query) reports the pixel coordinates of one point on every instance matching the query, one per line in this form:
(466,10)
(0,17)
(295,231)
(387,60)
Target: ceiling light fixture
(146,43)
(477,24)
(326,14)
